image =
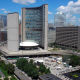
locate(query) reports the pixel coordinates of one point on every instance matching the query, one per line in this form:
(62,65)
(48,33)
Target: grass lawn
(75,75)
(55,49)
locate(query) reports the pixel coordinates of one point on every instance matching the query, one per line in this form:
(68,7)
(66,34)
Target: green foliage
(43,69)
(13,78)
(75,75)
(31,61)
(0,53)
(28,67)
(6,78)
(51,44)
(10,68)
(74,60)
(33,72)
(31,69)
(47,71)
(21,63)
(66,58)
(3,68)
(7,69)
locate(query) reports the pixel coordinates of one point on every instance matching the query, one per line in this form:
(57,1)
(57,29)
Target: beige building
(13,31)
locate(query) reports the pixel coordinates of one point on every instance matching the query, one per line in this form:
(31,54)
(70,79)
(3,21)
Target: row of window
(33,11)
(32,38)
(33,26)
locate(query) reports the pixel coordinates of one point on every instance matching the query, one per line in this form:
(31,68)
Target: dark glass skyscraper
(3,26)
(3,20)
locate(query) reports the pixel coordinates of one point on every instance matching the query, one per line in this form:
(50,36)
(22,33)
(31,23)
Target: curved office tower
(35,25)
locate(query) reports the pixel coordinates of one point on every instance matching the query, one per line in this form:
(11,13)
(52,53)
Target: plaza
(56,66)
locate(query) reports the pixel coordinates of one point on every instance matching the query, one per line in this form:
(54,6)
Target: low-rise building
(48,77)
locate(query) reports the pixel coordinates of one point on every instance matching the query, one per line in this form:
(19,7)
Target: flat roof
(34,7)
(49,77)
(12,13)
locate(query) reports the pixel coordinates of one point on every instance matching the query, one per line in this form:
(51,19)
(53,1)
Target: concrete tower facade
(13,31)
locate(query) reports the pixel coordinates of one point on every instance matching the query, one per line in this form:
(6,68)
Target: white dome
(28,43)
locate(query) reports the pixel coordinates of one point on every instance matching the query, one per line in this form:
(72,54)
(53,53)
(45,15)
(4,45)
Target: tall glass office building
(35,25)
(3,28)
(59,19)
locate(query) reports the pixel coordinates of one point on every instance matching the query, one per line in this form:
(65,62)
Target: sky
(70,7)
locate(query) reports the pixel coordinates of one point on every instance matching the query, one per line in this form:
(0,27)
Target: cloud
(24,1)
(19,17)
(2,9)
(6,11)
(72,7)
(49,12)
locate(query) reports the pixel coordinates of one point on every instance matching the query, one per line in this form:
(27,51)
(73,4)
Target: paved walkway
(48,62)
(21,75)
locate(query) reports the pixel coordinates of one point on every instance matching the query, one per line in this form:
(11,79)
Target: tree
(31,61)
(74,60)
(47,71)
(6,78)
(10,68)
(30,68)
(35,73)
(42,68)
(21,63)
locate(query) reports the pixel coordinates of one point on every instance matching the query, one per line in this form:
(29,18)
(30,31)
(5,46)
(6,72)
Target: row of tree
(31,68)
(9,68)
(10,78)
(73,60)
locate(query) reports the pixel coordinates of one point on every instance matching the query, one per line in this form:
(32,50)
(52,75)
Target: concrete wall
(23,35)
(51,36)
(13,31)
(45,27)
